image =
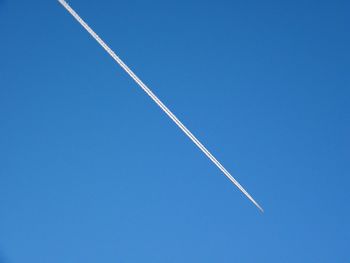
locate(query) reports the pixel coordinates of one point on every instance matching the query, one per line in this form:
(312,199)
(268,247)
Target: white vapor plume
(158,102)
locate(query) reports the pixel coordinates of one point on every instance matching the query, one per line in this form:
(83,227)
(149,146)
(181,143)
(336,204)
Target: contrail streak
(159,103)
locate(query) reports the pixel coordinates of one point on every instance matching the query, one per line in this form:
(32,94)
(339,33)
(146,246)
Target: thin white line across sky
(158,102)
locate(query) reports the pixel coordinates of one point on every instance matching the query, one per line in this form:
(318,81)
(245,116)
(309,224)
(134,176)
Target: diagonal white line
(158,102)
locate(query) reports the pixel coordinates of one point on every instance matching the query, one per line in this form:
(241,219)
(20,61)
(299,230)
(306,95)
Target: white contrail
(159,103)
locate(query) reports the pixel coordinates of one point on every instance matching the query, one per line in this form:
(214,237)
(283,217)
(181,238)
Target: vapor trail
(158,102)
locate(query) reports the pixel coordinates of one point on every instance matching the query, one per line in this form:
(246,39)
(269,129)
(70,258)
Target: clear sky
(91,170)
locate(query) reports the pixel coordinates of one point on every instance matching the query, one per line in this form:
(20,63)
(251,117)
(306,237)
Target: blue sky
(92,171)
